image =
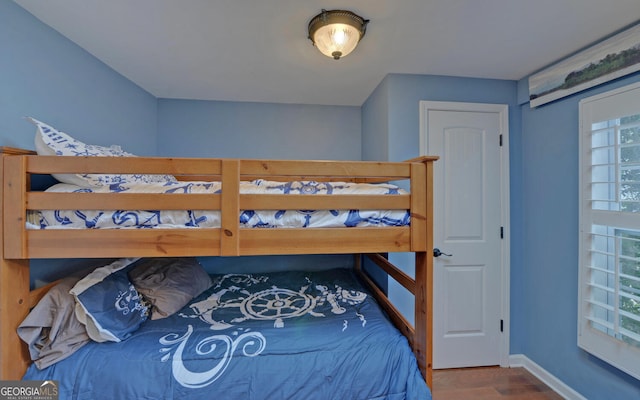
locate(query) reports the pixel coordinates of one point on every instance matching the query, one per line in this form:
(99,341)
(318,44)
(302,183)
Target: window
(609,291)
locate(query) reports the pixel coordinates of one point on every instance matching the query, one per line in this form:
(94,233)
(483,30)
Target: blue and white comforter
(292,335)
(94,219)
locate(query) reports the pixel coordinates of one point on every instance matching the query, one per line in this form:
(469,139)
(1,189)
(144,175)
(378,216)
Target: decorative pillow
(168,284)
(51,142)
(108,304)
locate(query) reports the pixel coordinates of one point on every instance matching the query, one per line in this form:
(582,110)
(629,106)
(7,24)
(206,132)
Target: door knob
(438,253)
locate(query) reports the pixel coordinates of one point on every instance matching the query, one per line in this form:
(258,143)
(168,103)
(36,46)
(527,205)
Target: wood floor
(489,383)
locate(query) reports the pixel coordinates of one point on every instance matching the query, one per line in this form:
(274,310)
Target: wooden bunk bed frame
(20,244)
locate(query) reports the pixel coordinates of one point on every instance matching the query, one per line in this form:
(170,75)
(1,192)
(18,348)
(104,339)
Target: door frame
(505,284)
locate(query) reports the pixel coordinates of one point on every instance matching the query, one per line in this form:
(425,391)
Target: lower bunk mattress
(285,335)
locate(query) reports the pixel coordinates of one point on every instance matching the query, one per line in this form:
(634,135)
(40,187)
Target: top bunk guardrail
(227,240)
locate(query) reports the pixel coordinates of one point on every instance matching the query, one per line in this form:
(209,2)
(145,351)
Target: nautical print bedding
(94,219)
(291,335)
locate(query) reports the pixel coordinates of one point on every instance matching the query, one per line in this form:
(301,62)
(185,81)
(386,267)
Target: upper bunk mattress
(110,219)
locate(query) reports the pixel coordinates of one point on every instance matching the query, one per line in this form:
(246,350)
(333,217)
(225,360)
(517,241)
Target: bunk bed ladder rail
(420,335)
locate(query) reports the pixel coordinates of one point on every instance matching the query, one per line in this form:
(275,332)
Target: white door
(470,224)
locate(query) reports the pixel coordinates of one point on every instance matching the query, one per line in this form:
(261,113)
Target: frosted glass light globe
(336,33)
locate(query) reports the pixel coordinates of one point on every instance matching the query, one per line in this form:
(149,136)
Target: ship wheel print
(278,304)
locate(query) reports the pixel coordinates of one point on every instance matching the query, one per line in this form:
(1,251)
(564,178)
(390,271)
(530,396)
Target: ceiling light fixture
(336,33)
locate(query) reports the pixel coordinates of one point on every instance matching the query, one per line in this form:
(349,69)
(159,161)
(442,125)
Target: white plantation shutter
(609,286)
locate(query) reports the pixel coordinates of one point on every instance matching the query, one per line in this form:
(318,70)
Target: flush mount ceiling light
(336,33)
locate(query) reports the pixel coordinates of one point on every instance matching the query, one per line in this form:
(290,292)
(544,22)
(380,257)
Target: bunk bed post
(14,296)
(14,307)
(424,287)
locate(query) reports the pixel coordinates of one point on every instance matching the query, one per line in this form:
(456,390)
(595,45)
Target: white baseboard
(520,360)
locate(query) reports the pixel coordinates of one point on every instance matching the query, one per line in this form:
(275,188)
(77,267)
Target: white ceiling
(257,50)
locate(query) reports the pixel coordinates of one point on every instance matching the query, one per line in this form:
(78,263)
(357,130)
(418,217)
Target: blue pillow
(108,304)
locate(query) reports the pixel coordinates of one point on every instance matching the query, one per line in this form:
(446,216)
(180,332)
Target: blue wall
(546,301)
(44,75)
(258,130)
(375,124)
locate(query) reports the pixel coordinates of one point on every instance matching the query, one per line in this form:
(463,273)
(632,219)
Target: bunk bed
(22,241)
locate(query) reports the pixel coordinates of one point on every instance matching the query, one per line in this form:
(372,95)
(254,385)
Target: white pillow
(52,142)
